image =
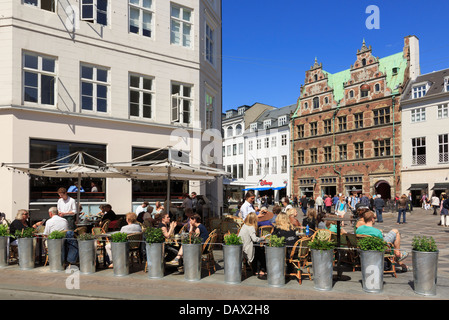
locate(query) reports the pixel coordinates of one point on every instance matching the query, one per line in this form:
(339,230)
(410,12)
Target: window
(267,142)
(358,149)
(234,149)
(95,11)
(358,120)
(363,93)
(327,154)
(238,129)
(250,168)
(229,151)
(273,141)
(282,120)
(382,148)
(419,151)
(210,44)
(250,145)
(284,164)
(181,26)
(313,155)
(419,91)
(327,126)
(182,99)
(229,131)
(210,107)
(300,156)
(306,105)
(253,127)
(342,123)
(351,94)
(343,151)
(446,84)
(316,103)
(267,124)
(443,148)
(140,96)
(141,17)
(94,88)
(300,130)
(240,171)
(39,79)
(274,165)
(48,5)
(381,116)
(283,140)
(258,167)
(241,148)
(377,87)
(267,166)
(258,146)
(443,111)
(234,171)
(313,128)
(418,115)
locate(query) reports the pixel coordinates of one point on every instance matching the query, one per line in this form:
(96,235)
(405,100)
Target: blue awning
(263,188)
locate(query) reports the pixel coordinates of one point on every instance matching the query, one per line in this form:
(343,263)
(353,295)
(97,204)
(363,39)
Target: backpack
(446,204)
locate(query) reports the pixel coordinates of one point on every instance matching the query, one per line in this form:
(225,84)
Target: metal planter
(425,269)
(26,253)
(322,269)
(4,245)
(275,258)
(87,256)
(372,265)
(155,260)
(233,257)
(120,258)
(56,254)
(192,261)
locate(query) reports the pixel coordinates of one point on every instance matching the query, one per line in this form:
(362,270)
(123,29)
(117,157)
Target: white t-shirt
(246,209)
(140,209)
(56,223)
(68,205)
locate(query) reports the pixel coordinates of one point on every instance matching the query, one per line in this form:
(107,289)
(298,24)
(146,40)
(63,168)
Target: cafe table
(104,237)
(39,245)
(339,220)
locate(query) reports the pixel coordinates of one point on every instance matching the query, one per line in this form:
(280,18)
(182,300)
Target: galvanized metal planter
(322,269)
(155,260)
(120,258)
(56,254)
(372,265)
(192,261)
(233,257)
(4,245)
(87,256)
(26,253)
(425,269)
(275,258)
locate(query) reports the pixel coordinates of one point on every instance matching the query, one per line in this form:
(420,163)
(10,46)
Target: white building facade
(117,79)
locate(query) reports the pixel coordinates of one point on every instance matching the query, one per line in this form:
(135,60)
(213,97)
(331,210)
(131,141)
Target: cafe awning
(441,186)
(418,186)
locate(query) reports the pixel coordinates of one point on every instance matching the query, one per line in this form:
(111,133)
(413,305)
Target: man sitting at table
(393,237)
(55,223)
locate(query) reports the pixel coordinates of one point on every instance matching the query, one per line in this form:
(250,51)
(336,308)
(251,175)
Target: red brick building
(346,131)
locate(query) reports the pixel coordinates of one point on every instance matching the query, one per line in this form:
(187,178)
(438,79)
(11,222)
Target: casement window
(229,151)
(258,167)
(273,141)
(140,96)
(300,156)
(266,166)
(443,148)
(95,11)
(313,128)
(342,123)
(250,168)
(284,164)
(443,111)
(382,148)
(381,116)
(238,129)
(48,5)
(210,44)
(181,27)
(313,155)
(300,129)
(327,126)
(418,115)
(419,151)
(253,127)
(274,165)
(141,17)
(210,107)
(358,120)
(94,88)
(267,124)
(240,171)
(258,144)
(234,149)
(446,85)
(283,140)
(241,148)
(39,79)
(358,150)
(316,103)
(182,100)
(267,142)
(419,91)
(282,120)
(250,145)
(343,151)
(234,171)
(229,131)
(327,154)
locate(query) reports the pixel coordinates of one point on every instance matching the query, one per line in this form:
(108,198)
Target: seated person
(360,213)
(310,220)
(284,228)
(320,220)
(145,214)
(55,223)
(265,218)
(168,229)
(108,214)
(391,237)
(292,214)
(332,225)
(255,255)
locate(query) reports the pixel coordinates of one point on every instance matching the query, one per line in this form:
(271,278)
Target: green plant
(57,235)
(154,235)
(321,244)
(424,244)
(372,244)
(276,241)
(86,237)
(232,239)
(4,232)
(192,238)
(24,233)
(119,237)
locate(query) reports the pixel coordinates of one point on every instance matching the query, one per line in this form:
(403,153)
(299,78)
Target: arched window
(316,77)
(363,62)
(229,132)
(316,103)
(351,94)
(238,129)
(306,105)
(377,87)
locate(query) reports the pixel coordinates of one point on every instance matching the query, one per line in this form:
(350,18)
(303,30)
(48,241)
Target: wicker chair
(208,252)
(265,230)
(135,246)
(322,234)
(299,258)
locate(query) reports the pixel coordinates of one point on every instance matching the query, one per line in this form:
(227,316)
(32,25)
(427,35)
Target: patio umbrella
(78,164)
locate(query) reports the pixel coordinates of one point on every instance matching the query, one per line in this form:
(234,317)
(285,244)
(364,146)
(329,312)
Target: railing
(419,160)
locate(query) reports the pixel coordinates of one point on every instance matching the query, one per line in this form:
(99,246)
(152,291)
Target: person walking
(435,203)
(379,205)
(444,212)
(402,208)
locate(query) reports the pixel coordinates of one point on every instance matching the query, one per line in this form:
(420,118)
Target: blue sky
(268,45)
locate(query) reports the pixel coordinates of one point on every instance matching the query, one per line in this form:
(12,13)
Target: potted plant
(275,258)
(25,244)
(87,253)
(425,265)
(155,251)
(233,257)
(322,256)
(372,250)
(4,245)
(192,250)
(55,247)
(120,253)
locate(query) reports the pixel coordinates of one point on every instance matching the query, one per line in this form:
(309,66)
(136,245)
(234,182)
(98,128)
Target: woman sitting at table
(332,225)
(292,214)
(310,220)
(284,228)
(254,254)
(168,229)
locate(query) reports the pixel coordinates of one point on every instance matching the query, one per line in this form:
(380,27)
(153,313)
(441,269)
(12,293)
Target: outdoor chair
(322,234)
(100,244)
(135,246)
(105,226)
(265,230)
(299,259)
(208,252)
(389,256)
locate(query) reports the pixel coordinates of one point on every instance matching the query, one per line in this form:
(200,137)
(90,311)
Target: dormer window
(446,85)
(253,127)
(228,114)
(282,120)
(241,111)
(267,124)
(419,91)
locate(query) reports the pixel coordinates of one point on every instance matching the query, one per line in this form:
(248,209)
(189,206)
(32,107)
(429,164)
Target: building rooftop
(438,82)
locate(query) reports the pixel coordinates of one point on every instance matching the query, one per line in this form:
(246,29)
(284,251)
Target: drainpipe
(394,147)
(291,155)
(334,147)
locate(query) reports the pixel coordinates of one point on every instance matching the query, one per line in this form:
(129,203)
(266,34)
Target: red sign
(265,183)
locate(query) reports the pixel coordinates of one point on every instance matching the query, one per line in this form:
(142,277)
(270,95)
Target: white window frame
(267,142)
(238,129)
(95,83)
(250,145)
(419,90)
(283,140)
(142,11)
(186,42)
(284,164)
(250,167)
(419,159)
(142,91)
(209,43)
(210,102)
(241,148)
(39,72)
(267,123)
(446,84)
(38,4)
(258,144)
(253,127)
(418,115)
(443,148)
(177,103)
(282,120)
(443,111)
(273,141)
(95,11)
(274,165)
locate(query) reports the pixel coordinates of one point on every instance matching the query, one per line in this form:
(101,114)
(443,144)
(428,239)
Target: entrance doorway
(383,188)
(329,190)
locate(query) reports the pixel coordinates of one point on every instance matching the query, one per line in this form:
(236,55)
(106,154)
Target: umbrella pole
(78,199)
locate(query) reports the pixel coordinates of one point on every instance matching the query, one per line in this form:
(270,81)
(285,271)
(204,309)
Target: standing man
(248,206)
(194,201)
(67,207)
(142,208)
(379,205)
(319,204)
(303,204)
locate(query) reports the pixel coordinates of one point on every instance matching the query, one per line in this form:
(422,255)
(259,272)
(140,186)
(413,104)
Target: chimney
(412,43)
